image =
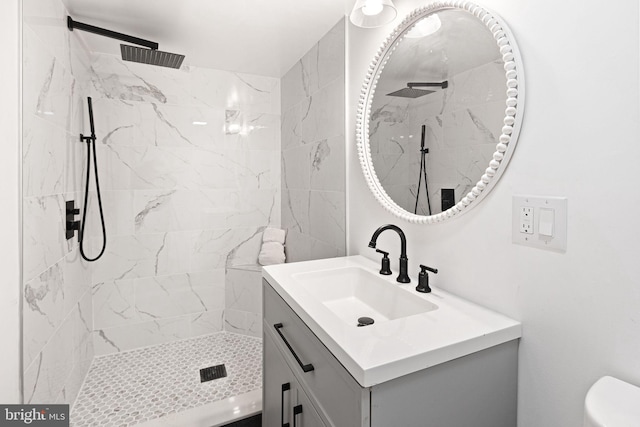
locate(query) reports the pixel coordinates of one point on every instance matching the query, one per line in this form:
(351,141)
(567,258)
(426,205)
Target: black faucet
(403,277)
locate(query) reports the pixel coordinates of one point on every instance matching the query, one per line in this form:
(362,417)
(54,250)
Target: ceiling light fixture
(373,13)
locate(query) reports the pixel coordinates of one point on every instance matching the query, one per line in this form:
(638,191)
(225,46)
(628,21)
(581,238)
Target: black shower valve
(72,225)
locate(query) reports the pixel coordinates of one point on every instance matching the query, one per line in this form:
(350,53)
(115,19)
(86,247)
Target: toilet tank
(612,403)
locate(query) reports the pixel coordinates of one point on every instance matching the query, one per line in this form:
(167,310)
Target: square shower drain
(212,373)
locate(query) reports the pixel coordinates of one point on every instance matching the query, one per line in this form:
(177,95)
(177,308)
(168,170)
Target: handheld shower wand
(423,172)
(91,142)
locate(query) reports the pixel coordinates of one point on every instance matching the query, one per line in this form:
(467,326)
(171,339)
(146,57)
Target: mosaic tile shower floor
(129,388)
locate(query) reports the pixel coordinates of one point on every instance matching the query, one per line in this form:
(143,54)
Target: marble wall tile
(295,85)
(224,247)
(181,126)
(327,160)
(243,290)
(114,304)
(57,315)
(185,199)
(117,208)
(82,319)
(120,122)
(76,278)
(45,376)
(243,322)
(242,208)
(258,131)
(129,257)
(44,243)
(327,218)
(206,322)
(159,211)
(313,152)
(169,296)
(216,88)
(43,157)
(48,86)
(49,298)
(296,167)
(295,210)
(298,245)
(326,60)
(75,163)
(291,126)
(74,382)
(43,310)
(325,117)
(257,169)
(146,333)
(47,20)
(157,331)
(113,78)
(320,249)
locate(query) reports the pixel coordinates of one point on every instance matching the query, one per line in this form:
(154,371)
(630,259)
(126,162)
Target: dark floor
(255,421)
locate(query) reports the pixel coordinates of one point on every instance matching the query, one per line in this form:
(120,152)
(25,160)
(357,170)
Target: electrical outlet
(540,222)
(526,220)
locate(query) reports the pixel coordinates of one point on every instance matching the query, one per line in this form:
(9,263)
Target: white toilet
(612,403)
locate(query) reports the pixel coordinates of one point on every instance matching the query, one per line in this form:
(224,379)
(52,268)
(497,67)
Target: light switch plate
(540,208)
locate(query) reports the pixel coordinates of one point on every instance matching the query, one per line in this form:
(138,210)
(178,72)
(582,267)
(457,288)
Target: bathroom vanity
(427,360)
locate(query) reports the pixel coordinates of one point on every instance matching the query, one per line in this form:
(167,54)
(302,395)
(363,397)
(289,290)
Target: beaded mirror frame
(505,145)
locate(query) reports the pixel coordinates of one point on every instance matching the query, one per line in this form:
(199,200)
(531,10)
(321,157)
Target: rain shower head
(149,54)
(411,92)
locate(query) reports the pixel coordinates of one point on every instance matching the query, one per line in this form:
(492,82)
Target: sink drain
(365,321)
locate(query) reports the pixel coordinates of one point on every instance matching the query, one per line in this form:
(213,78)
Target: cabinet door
(278,388)
(304,414)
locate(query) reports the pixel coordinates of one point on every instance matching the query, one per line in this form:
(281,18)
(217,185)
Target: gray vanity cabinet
(287,400)
(477,390)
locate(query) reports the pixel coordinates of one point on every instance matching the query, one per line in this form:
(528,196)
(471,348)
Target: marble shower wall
(463,124)
(313,151)
(190,175)
(243,300)
(57,309)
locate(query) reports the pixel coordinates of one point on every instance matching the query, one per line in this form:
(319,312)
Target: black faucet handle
(423,279)
(424,269)
(385,268)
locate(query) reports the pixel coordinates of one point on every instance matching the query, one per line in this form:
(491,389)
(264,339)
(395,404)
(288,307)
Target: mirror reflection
(437,112)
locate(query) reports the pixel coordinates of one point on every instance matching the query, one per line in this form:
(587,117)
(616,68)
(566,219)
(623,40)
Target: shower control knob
(71,224)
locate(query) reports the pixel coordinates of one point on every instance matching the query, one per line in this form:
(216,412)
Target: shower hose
(91,146)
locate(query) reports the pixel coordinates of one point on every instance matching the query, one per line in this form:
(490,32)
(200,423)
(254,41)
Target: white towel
(273,235)
(271,253)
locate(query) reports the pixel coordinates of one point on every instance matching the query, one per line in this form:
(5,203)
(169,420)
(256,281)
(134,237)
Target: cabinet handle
(285,387)
(305,368)
(296,410)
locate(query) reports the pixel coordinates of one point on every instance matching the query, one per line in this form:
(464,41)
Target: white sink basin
(352,292)
(412,331)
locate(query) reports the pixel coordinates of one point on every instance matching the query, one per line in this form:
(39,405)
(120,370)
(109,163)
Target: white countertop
(388,350)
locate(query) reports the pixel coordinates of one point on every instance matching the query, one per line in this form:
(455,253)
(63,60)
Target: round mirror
(440,111)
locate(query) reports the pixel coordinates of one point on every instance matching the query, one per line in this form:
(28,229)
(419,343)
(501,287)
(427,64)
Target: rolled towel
(271,253)
(273,235)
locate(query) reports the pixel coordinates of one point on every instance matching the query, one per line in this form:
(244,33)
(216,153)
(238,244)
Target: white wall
(580,139)
(9,188)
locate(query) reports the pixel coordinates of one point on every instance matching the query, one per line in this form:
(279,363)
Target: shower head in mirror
(411,92)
